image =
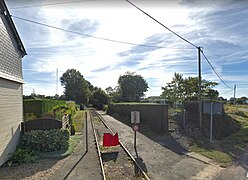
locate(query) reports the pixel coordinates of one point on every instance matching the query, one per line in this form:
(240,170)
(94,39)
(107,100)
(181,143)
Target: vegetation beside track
(229,149)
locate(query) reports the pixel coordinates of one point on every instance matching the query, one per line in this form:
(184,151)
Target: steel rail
(125,149)
(97,145)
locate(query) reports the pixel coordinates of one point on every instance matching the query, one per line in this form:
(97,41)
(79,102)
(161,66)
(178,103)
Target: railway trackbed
(116,161)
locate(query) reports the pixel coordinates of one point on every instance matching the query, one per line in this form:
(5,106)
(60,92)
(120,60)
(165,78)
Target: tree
(132,86)
(242,100)
(114,94)
(181,89)
(76,87)
(99,98)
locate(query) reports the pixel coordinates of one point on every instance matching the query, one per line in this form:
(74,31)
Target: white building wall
(10,117)
(11,107)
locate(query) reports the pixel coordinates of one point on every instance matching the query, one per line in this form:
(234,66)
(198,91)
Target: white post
(211,122)
(184,118)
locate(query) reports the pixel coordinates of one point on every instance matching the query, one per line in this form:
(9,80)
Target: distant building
(160,101)
(11,108)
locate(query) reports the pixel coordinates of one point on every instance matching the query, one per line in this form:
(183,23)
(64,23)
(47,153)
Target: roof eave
(12,26)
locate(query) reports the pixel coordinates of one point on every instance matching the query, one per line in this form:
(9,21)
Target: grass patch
(79,120)
(204,148)
(231,147)
(62,154)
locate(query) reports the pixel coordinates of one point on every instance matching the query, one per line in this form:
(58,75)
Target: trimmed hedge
(46,141)
(154,115)
(39,107)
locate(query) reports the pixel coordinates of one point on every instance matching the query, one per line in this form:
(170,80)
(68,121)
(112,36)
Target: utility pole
(57,81)
(199,88)
(234,94)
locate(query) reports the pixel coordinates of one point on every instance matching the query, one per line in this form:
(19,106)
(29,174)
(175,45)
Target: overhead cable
(162,24)
(50,4)
(224,82)
(96,37)
(226,92)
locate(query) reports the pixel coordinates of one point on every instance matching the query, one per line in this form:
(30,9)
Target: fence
(154,115)
(41,124)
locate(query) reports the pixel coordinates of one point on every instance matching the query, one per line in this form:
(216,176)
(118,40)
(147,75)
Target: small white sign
(135,117)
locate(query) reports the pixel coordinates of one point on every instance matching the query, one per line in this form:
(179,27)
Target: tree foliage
(114,93)
(76,87)
(181,89)
(132,86)
(98,98)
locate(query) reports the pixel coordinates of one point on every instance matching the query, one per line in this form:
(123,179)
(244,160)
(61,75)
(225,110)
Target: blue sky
(220,27)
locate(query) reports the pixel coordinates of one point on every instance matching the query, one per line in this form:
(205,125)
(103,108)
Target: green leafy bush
(29,117)
(60,110)
(23,156)
(240,113)
(46,141)
(39,107)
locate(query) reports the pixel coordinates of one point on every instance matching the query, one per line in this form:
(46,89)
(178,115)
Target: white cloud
(49,48)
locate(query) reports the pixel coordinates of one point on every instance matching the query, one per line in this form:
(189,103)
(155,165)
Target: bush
(46,141)
(23,156)
(39,107)
(240,113)
(58,112)
(29,117)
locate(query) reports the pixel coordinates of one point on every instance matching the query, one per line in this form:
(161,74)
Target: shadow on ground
(165,140)
(109,156)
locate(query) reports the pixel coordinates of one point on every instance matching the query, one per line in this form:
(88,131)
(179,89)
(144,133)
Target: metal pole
(211,122)
(135,147)
(234,94)
(86,131)
(184,117)
(199,88)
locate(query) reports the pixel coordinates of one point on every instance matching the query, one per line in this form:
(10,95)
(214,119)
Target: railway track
(116,162)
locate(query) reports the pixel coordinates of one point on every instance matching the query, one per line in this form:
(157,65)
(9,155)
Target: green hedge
(39,107)
(46,141)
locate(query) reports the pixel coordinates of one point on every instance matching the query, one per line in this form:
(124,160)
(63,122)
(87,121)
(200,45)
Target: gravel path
(43,169)
(79,165)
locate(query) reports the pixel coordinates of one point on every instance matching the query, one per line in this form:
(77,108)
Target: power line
(242,84)
(50,4)
(87,35)
(162,24)
(226,92)
(224,82)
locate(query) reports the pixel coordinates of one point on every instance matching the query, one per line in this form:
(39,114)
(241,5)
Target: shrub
(23,156)
(105,108)
(39,107)
(46,141)
(58,112)
(29,117)
(240,113)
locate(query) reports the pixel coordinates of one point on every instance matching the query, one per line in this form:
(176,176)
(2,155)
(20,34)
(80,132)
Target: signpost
(135,119)
(211,123)
(212,108)
(86,131)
